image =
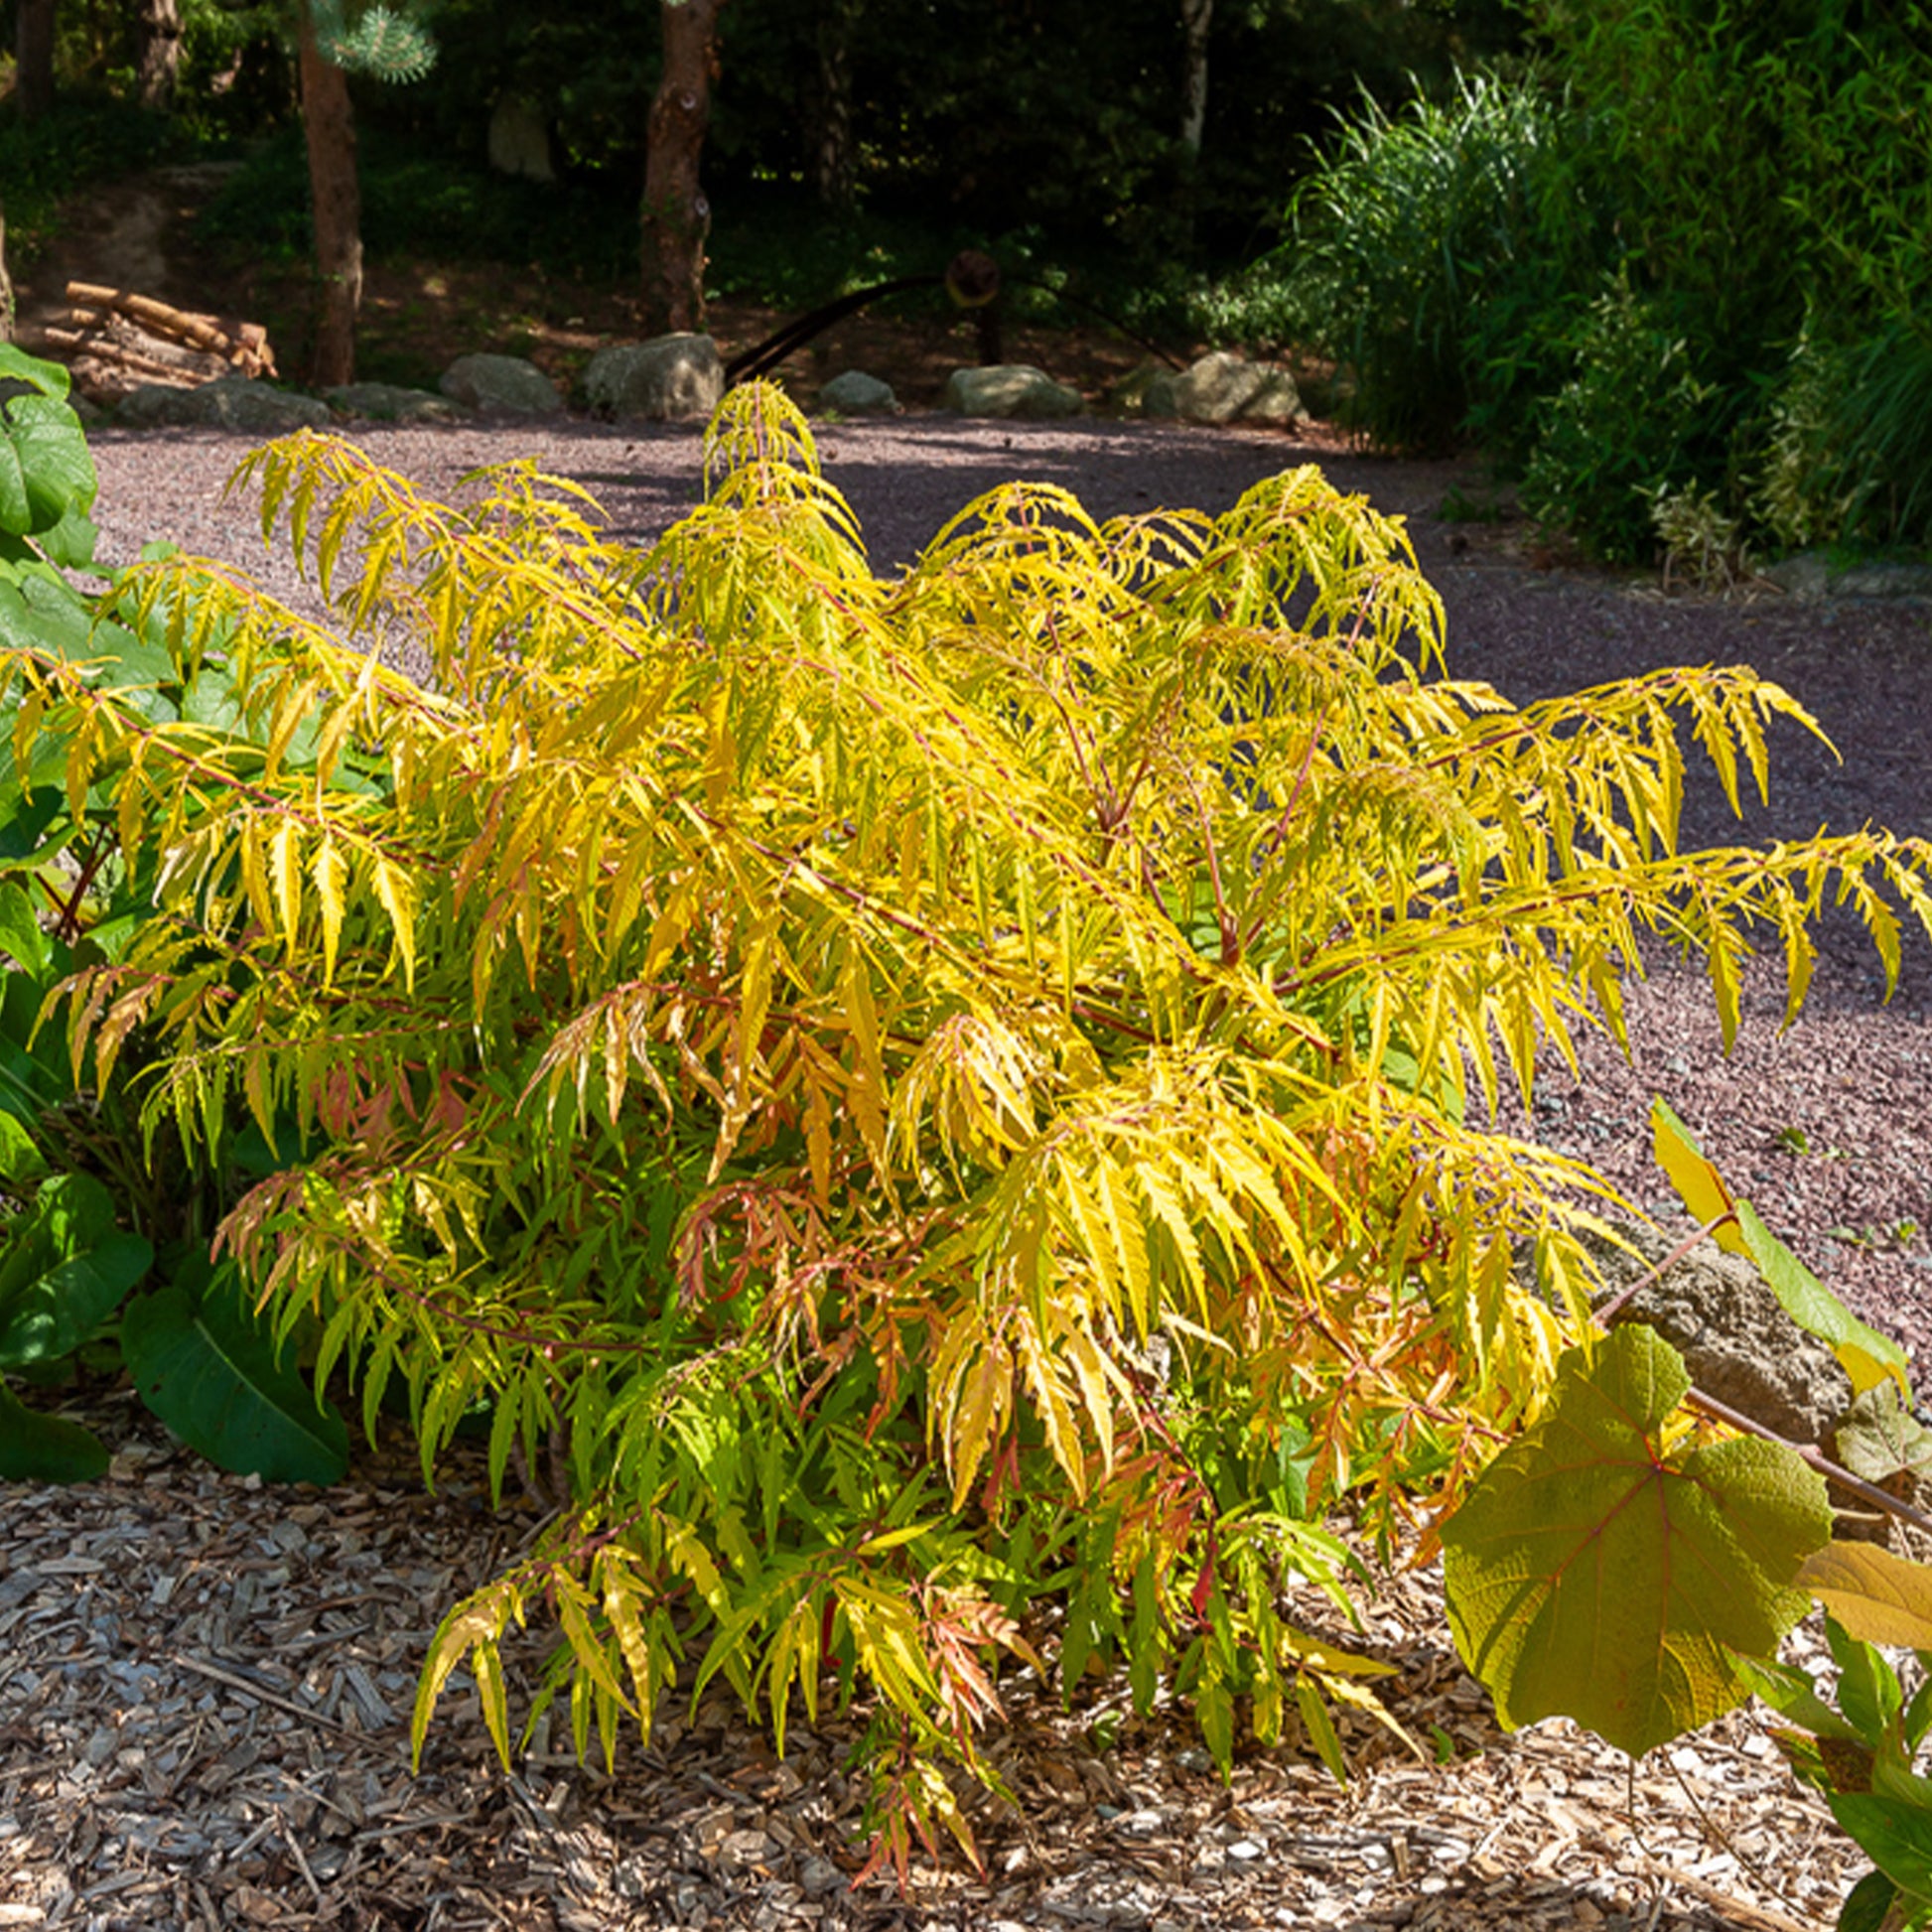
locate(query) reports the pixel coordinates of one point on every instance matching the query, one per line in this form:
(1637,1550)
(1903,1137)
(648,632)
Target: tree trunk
(676,215)
(159,22)
(329,125)
(1195,17)
(6,286)
(34,49)
(830,135)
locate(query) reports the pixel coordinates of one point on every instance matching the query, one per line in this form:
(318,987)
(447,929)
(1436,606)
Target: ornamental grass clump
(935,1106)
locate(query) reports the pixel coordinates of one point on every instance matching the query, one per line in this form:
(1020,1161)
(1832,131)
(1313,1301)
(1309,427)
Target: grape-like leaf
(1878,1598)
(1593,1573)
(1880,1437)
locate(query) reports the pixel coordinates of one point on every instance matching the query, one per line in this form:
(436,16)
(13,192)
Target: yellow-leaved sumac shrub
(936,1105)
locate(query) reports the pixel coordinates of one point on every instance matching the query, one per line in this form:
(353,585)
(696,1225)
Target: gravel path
(1827,1128)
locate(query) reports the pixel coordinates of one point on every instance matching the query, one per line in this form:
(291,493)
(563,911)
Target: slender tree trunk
(830,135)
(1195,18)
(6,286)
(34,49)
(329,125)
(676,215)
(159,22)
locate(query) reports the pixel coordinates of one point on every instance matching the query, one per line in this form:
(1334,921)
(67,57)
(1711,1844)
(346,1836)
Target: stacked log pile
(114,341)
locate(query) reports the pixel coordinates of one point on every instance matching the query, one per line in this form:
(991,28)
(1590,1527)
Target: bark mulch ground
(205,1688)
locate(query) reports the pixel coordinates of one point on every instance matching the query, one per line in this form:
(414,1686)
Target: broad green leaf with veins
(1592,1573)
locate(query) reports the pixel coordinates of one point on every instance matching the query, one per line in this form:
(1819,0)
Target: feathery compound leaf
(1592,1573)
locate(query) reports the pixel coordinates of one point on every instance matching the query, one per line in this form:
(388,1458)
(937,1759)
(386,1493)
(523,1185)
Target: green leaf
(20,1160)
(1867,1905)
(65,1269)
(1896,1835)
(210,1368)
(1792,1693)
(1880,1437)
(1868,1686)
(1592,1575)
(1875,1596)
(46,472)
(20,937)
(45,1448)
(1866,1356)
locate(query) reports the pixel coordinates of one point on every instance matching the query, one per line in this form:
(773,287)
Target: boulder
(520,143)
(855,394)
(1278,400)
(388,402)
(1735,1338)
(670,378)
(235,403)
(1224,388)
(505,384)
(1010,389)
(1809,575)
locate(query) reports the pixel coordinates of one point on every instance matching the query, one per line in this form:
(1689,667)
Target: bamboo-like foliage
(923,1096)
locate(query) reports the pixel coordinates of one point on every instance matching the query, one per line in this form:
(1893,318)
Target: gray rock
(1809,576)
(520,143)
(507,383)
(235,403)
(1214,389)
(670,378)
(390,402)
(1224,388)
(1010,389)
(1735,1338)
(1884,580)
(855,394)
(1805,576)
(1277,401)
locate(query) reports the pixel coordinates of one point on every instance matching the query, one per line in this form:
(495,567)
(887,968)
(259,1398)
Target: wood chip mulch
(205,1698)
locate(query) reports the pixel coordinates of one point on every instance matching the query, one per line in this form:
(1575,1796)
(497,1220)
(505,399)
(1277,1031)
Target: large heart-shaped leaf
(1879,1597)
(64,1269)
(45,1448)
(208,1367)
(1593,1573)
